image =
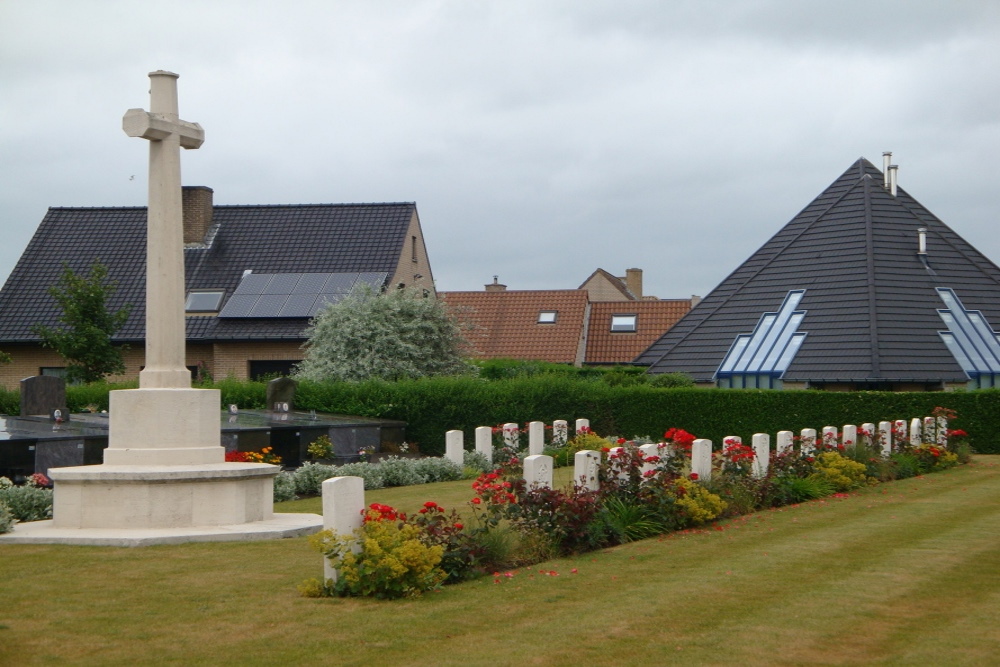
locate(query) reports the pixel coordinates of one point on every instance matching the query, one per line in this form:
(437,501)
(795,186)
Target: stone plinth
(150,427)
(119,496)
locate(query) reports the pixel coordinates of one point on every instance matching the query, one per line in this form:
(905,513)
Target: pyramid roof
(869,301)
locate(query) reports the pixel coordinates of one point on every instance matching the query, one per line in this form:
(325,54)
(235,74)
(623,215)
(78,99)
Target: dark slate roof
(871,303)
(321,238)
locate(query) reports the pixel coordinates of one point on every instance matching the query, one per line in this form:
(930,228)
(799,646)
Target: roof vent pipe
(892,178)
(886,159)
(922,241)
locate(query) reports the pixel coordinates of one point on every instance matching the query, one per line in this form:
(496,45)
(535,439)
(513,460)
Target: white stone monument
(484,442)
(761,443)
(536,437)
(784,441)
(454,446)
(701,459)
(807,441)
(164,477)
(343,504)
(538,471)
(586,464)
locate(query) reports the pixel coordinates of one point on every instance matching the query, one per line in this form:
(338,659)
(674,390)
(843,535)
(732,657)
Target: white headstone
(581,424)
(807,440)
(916,432)
(484,442)
(560,433)
(849,435)
(538,471)
(512,436)
(454,446)
(701,459)
(536,437)
(761,454)
(930,430)
(784,441)
(343,505)
(885,437)
(649,451)
(585,466)
(942,431)
(899,436)
(613,454)
(868,435)
(830,437)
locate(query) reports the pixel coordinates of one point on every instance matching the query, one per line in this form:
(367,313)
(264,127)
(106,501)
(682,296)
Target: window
(267,370)
(624,322)
(54,371)
(203,302)
(547,317)
(758,360)
(971,340)
(413,248)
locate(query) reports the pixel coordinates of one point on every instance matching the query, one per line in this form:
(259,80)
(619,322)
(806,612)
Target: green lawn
(903,573)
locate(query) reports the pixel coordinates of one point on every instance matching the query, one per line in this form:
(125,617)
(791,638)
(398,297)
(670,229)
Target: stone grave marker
(761,443)
(281,391)
(538,471)
(43,395)
(585,469)
(701,459)
(807,440)
(454,446)
(484,442)
(536,437)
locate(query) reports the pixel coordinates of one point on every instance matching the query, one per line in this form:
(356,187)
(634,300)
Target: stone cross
(165,335)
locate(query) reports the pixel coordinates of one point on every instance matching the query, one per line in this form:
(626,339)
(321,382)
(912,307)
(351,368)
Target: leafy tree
(394,336)
(85,339)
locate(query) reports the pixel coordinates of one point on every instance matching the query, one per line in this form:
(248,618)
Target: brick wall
(232,359)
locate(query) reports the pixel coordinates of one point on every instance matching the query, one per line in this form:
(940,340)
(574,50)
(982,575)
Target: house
(255,275)
(605,321)
(864,289)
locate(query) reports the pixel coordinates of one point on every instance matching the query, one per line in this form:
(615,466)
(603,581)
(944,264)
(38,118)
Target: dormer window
(547,317)
(624,322)
(205,301)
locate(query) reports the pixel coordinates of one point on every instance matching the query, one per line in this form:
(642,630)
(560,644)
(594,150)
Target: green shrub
(842,473)
(476,461)
(6,519)
(393,561)
(27,502)
(284,487)
(791,490)
(401,472)
(437,469)
(906,465)
(629,520)
(670,381)
(370,473)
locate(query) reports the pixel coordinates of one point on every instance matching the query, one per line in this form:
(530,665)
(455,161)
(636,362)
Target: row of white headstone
(454,441)
(344,497)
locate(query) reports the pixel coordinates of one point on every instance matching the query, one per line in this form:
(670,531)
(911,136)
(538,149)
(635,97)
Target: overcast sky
(540,139)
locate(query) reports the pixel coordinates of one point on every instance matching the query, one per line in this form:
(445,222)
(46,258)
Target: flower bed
(641,491)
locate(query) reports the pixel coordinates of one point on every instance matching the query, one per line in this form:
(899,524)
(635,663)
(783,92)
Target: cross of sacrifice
(165,334)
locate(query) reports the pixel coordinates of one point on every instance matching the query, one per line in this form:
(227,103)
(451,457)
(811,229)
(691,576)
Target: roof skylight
(769,350)
(969,338)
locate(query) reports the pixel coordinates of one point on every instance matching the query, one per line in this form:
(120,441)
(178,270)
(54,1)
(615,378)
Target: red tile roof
(653,319)
(505,324)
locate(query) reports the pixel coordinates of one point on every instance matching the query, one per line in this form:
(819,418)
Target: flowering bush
(265,455)
(934,457)
(696,503)
(843,473)
(386,558)
(321,447)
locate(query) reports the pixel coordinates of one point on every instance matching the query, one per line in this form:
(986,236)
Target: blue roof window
(759,360)
(971,340)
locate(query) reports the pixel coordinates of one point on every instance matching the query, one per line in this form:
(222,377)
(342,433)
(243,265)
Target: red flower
(476,501)
(694,476)
(459,526)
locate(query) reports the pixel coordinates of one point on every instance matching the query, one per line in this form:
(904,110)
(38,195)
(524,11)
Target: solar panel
(253,283)
(239,305)
(293,294)
(298,305)
(311,283)
(268,305)
(282,283)
(339,282)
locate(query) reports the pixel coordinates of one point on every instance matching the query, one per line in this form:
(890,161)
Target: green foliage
(10,401)
(284,487)
(27,502)
(792,490)
(393,336)
(84,340)
(629,520)
(321,447)
(6,519)
(393,561)
(670,381)
(840,472)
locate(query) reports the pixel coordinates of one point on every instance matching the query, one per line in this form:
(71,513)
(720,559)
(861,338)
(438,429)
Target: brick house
(863,289)
(255,275)
(607,320)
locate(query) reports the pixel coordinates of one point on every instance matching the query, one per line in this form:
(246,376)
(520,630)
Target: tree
(394,336)
(85,339)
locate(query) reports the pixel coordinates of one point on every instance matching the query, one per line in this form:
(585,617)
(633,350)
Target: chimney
(886,159)
(893,168)
(496,286)
(197,201)
(633,281)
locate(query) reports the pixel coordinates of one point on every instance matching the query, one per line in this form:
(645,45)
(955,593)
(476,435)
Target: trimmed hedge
(433,406)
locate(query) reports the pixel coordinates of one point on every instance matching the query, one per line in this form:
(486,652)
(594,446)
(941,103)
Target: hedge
(433,406)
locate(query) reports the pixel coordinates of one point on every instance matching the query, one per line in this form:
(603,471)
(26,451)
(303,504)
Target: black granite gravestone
(43,394)
(281,391)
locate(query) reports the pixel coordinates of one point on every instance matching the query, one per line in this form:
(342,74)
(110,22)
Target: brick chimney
(495,286)
(197,201)
(633,281)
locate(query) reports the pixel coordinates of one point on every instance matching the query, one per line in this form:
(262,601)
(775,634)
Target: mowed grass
(902,573)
